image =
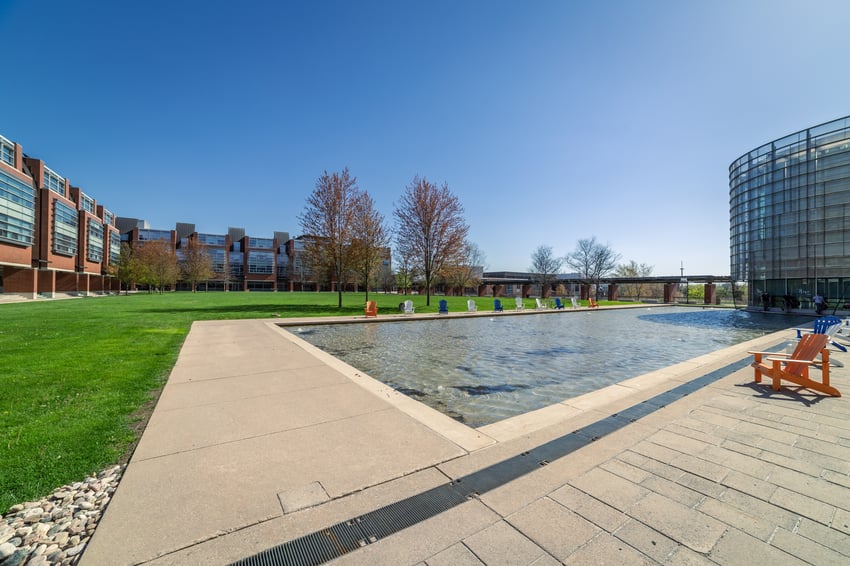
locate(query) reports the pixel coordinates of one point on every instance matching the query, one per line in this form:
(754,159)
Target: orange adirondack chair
(371,309)
(593,303)
(794,367)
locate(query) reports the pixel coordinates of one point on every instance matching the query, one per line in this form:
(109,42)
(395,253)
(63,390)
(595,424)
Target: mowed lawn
(78,377)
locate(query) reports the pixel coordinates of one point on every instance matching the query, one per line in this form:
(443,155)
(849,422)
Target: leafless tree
(405,270)
(328,219)
(545,266)
(430,223)
(593,261)
(195,264)
(469,270)
(371,238)
(634,269)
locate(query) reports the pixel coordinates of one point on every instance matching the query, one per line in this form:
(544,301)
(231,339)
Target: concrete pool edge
(621,394)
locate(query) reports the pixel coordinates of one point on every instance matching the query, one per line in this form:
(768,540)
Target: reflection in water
(484,369)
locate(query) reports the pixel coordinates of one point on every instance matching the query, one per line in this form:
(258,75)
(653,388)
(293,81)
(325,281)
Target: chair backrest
(574,301)
(823,324)
(558,304)
(470,304)
(408,306)
(497,305)
(371,308)
(444,306)
(519,304)
(592,302)
(808,348)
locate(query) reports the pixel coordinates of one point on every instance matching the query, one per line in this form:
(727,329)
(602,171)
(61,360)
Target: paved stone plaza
(259,439)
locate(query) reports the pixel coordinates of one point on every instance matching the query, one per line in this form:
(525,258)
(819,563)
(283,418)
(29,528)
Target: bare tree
(196,263)
(405,270)
(593,261)
(158,264)
(469,269)
(371,238)
(430,223)
(634,269)
(328,220)
(545,267)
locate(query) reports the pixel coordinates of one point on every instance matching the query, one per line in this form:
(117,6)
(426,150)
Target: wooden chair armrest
(772,353)
(787,361)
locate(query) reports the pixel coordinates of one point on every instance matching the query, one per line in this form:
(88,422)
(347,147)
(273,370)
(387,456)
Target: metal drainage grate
(342,538)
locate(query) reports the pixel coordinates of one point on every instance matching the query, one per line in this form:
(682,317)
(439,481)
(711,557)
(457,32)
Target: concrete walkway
(259,438)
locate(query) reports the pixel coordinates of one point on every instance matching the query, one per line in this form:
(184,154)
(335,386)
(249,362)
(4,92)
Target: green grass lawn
(78,377)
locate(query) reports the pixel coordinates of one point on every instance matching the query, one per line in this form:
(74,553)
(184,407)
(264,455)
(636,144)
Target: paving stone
(678,442)
(659,468)
(745,483)
(824,535)
(766,432)
(501,543)
(697,424)
(609,488)
(700,467)
(633,458)
(701,485)
(803,505)
(674,491)
(736,547)
(806,549)
(741,448)
(590,508)
(647,540)
(554,527)
(625,470)
(756,507)
(737,461)
(841,521)
(691,527)
(607,549)
(455,555)
(801,464)
(715,417)
(684,556)
(825,448)
(813,487)
(698,435)
(759,527)
(836,478)
(655,451)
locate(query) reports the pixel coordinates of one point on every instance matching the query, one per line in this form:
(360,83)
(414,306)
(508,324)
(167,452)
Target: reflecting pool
(484,369)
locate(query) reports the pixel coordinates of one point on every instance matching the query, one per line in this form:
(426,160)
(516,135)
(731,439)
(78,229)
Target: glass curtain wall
(789,227)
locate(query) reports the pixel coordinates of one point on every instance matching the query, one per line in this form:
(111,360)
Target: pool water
(484,369)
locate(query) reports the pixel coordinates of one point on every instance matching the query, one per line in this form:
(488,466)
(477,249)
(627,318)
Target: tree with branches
(127,269)
(328,221)
(430,224)
(195,263)
(469,269)
(545,267)
(634,269)
(592,261)
(158,264)
(371,238)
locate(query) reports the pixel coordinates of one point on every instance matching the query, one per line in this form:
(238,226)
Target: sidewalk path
(259,439)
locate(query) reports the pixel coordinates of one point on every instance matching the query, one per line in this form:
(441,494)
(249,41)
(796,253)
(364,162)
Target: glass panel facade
(260,262)
(17,210)
(7,152)
(212,239)
(94,245)
(788,204)
(236,265)
(219,259)
(149,235)
(260,243)
(65,229)
(87,203)
(54,182)
(114,249)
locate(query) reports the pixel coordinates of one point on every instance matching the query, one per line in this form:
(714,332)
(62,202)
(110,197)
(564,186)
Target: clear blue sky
(551,121)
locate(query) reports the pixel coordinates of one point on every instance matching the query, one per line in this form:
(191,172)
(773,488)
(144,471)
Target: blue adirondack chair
(829,325)
(444,307)
(497,305)
(558,303)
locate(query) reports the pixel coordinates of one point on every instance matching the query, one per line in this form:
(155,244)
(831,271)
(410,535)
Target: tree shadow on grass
(262,310)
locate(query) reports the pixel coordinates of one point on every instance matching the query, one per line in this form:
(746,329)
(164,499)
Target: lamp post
(684,281)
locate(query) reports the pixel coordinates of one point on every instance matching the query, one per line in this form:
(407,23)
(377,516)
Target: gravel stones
(56,529)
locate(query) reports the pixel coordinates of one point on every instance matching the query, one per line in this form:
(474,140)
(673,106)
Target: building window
(108,218)
(261,262)
(87,203)
(64,229)
(152,235)
(114,249)
(17,210)
(236,267)
(219,260)
(94,245)
(212,239)
(7,152)
(54,182)
(260,243)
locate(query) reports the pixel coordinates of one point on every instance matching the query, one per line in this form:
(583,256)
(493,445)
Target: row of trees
(156,265)
(593,261)
(345,233)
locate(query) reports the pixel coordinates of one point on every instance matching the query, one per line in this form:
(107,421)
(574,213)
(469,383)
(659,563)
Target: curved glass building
(789,206)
